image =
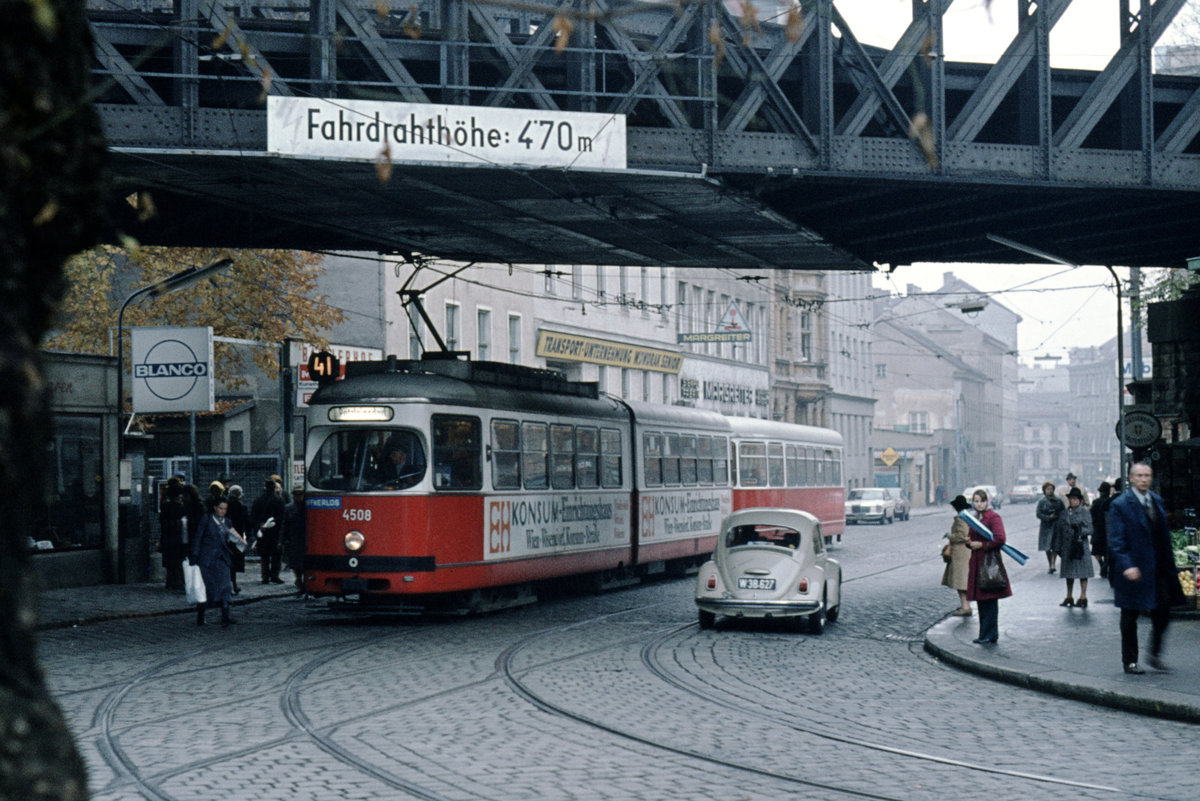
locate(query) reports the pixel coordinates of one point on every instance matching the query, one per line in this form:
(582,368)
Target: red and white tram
(449,484)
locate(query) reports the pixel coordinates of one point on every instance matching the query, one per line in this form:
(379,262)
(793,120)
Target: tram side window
(456,452)
(704,460)
(587,458)
(752,457)
(610,457)
(806,463)
(819,478)
(562,457)
(535,439)
(721,456)
(775,461)
(671,460)
(793,466)
(506,454)
(687,459)
(652,445)
(835,468)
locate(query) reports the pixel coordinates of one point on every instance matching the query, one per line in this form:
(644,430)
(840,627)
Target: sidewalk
(78,606)
(1075,653)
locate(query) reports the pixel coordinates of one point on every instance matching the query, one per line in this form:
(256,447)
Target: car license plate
(756,583)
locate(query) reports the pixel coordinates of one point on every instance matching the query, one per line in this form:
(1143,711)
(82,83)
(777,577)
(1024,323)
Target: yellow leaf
(718,41)
(383,164)
(266,86)
(794,28)
(921,132)
(223,37)
(412,23)
(562,32)
(927,45)
(45,17)
(382,7)
(47,213)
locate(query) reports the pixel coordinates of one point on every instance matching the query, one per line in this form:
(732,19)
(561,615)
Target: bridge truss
(770,139)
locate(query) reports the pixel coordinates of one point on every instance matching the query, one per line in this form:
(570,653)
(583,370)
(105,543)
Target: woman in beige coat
(959,567)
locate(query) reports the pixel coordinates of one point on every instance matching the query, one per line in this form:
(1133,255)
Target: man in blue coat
(1143,566)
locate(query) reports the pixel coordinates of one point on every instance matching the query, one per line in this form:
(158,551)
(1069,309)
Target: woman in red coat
(987,601)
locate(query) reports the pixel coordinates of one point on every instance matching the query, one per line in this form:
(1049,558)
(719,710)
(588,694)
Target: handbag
(946,553)
(991,577)
(1076,549)
(193,584)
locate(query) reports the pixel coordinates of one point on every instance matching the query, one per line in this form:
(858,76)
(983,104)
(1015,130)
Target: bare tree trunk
(51,205)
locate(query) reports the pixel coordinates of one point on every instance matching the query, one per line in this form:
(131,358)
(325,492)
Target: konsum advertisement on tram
(448,484)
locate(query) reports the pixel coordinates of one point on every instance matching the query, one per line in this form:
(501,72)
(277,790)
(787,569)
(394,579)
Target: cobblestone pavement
(614,696)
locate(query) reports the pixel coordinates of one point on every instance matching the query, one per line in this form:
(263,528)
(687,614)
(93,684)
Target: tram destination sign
(367,130)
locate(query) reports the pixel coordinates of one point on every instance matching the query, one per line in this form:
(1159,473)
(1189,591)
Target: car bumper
(734,607)
(866,517)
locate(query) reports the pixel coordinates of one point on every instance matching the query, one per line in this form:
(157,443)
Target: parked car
(1024,493)
(770,563)
(992,493)
(903,506)
(871,505)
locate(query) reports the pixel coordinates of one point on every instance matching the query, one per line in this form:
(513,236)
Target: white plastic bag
(193,584)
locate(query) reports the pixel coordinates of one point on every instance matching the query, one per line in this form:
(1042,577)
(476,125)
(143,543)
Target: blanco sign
(367,130)
(172,369)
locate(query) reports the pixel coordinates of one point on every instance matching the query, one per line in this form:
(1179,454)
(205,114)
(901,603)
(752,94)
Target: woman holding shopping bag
(987,599)
(210,552)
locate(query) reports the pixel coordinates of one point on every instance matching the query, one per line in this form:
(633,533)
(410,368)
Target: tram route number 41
(323,366)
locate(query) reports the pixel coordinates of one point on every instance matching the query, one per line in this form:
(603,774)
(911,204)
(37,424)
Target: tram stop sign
(324,367)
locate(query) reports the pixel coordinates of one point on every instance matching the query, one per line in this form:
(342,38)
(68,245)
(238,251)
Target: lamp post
(172,283)
(1041,254)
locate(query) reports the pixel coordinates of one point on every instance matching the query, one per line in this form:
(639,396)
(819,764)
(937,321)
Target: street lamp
(1041,254)
(172,283)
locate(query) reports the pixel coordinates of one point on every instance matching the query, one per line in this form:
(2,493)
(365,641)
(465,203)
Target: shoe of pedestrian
(961,613)
(1159,665)
(981,641)
(1051,570)
(277,580)
(1133,668)
(227,621)
(1081,603)
(1067,602)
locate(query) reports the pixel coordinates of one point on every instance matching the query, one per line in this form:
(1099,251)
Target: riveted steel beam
(252,59)
(1121,68)
(754,94)
(123,73)
(380,51)
(645,70)
(521,61)
(1003,75)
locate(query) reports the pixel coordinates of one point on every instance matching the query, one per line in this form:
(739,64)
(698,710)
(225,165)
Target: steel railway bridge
(754,139)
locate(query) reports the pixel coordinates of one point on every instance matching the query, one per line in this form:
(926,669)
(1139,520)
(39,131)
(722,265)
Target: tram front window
(364,460)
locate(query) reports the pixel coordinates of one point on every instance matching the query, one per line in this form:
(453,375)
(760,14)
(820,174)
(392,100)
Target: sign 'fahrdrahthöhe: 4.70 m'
(422,132)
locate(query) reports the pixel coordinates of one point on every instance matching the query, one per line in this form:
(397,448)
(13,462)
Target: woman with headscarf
(1071,541)
(955,575)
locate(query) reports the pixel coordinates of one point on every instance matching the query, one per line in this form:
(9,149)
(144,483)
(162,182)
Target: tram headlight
(355,541)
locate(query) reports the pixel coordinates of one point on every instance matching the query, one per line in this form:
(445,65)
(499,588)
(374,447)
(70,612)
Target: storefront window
(76,515)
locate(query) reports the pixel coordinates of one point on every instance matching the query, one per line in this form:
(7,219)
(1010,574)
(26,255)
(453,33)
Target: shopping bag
(193,584)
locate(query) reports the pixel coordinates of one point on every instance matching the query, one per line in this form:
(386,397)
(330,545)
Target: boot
(226,620)
(199,614)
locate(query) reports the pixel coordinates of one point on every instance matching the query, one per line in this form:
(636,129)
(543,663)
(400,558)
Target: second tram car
(448,484)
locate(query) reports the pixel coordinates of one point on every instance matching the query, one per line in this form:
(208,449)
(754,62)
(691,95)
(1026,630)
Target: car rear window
(761,534)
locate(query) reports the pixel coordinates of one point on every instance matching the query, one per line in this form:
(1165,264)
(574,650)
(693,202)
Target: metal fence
(249,471)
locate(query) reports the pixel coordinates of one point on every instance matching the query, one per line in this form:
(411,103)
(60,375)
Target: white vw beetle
(770,563)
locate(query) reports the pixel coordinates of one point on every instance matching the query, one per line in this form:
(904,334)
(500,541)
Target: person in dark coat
(239,520)
(1049,509)
(266,521)
(1100,526)
(193,513)
(294,536)
(170,521)
(986,601)
(1071,541)
(210,552)
(1143,566)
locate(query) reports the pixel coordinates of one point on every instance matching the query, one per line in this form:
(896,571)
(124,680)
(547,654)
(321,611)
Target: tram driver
(398,469)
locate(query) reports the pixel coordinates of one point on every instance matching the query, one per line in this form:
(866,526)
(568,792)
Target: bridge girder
(843,155)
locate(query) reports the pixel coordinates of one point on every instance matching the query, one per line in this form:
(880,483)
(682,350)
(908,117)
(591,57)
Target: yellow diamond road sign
(889,457)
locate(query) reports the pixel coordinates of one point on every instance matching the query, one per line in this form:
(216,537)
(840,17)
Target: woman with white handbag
(209,552)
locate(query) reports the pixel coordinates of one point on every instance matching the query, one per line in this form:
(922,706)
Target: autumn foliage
(267,296)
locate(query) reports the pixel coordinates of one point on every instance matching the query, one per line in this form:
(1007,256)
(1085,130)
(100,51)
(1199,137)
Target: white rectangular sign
(424,132)
(172,369)
(549,525)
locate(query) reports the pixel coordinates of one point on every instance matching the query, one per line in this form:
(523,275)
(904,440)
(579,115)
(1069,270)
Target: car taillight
(711,583)
(803,585)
